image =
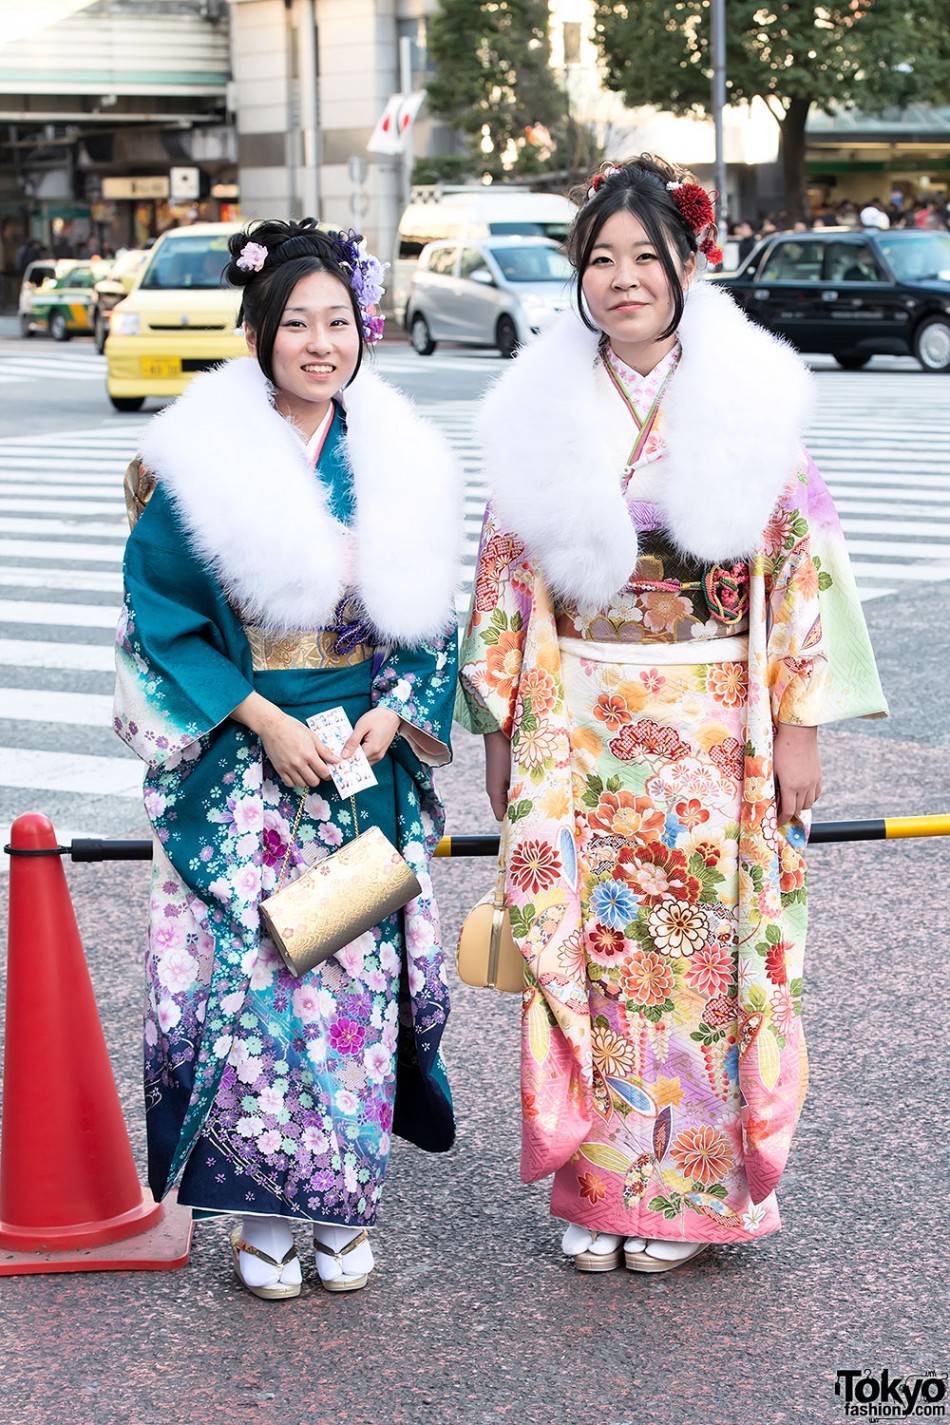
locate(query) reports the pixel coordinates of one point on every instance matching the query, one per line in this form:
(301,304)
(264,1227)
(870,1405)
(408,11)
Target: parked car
(498,292)
(110,289)
(33,309)
(852,294)
(179,318)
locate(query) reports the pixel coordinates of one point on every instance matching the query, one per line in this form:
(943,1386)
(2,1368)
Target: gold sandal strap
(361,1236)
(253,1251)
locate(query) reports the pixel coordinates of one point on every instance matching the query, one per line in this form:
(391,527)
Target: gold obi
(315,649)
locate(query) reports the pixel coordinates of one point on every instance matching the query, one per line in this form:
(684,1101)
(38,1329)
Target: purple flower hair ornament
(366,281)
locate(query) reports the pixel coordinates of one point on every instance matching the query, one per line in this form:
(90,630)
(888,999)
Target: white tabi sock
(273,1236)
(357,1263)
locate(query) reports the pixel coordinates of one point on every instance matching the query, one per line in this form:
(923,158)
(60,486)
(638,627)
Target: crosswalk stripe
(58,615)
(74,581)
(42,705)
(24,524)
(56,552)
(73,657)
(30,769)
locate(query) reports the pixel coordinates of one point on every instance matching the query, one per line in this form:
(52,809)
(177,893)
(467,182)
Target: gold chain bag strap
(338,899)
(488,956)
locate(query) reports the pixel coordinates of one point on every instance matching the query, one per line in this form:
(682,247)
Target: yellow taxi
(179,319)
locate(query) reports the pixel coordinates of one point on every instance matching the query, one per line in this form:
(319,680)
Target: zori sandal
(645,1262)
(275,1290)
(589,1261)
(343,1282)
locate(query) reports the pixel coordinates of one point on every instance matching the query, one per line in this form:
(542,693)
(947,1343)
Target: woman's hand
(375,731)
(497,772)
(297,755)
(797,768)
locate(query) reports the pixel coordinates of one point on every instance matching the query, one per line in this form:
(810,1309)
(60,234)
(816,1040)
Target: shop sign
(135,188)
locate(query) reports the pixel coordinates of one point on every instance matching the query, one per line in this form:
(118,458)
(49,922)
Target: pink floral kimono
(639,624)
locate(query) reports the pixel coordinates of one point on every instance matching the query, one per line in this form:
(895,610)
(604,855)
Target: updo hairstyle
(637,186)
(294,250)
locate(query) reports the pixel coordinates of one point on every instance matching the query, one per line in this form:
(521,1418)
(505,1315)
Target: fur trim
(241,483)
(733,418)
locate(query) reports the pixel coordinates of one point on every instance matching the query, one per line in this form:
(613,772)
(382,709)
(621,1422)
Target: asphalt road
(472,1317)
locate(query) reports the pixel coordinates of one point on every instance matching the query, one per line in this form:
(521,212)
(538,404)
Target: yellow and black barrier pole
(888,828)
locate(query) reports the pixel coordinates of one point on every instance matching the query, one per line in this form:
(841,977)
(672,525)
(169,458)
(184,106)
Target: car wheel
(420,336)
(854,361)
(26,326)
(506,337)
(932,344)
(99,332)
(128,403)
(58,329)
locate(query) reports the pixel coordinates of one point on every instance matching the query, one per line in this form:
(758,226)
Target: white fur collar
(733,419)
(240,481)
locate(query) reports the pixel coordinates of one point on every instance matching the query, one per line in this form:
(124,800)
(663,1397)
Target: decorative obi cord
(344,643)
(671,599)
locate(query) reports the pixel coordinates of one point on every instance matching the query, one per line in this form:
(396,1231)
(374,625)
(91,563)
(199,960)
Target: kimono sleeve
(178,644)
(493,642)
(820,663)
(419,685)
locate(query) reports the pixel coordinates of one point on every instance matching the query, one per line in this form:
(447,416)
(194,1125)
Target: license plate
(160,368)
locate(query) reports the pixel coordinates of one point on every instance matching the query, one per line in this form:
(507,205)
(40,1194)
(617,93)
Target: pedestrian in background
(297,554)
(663,614)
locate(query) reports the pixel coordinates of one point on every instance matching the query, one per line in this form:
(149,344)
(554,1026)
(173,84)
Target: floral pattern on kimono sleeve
(820,663)
(419,685)
(493,643)
(176,674)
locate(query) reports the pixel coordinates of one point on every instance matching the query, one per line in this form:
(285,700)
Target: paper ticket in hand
(333,727)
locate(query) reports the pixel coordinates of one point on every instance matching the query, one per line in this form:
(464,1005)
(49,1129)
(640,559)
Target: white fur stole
(258,516)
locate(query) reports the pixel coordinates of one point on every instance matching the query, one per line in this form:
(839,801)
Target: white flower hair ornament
(599,179)
(252,257)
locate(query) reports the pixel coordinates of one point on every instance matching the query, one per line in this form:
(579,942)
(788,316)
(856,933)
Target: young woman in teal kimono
(294,548)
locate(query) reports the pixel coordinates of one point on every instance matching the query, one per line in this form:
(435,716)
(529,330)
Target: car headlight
(532,303)
(124,323)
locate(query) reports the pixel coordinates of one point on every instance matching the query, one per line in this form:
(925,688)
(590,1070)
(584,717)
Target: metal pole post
(405,87)
(307,72)
(718,21)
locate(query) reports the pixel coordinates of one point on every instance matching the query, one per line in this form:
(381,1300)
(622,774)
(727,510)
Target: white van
(444,212)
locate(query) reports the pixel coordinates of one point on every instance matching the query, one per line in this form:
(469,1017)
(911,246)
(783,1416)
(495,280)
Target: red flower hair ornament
(697,212)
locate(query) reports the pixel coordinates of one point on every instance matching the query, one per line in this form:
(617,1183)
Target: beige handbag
(338,899)
(488,956)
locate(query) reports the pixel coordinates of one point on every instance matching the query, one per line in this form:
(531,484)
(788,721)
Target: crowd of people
(874,215)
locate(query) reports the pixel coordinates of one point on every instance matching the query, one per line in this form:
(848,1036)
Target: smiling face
(627,291)
(316,349)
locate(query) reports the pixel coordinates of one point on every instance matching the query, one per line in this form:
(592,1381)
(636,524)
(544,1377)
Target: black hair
(294,250)
(637,186)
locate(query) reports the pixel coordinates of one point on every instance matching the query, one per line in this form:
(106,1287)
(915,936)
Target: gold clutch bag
(338,899)
(488,957)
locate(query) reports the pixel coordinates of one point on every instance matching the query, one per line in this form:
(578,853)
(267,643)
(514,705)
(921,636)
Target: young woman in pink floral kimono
(663,615)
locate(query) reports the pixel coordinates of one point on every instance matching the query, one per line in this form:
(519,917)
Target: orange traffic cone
(67,1180)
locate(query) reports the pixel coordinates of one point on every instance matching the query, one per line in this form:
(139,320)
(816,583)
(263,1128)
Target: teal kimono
(266,1093)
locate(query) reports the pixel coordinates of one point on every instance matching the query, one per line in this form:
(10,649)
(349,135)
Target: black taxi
(852,294)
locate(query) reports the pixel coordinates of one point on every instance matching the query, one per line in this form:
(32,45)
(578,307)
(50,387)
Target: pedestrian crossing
(880,438)
(82,364)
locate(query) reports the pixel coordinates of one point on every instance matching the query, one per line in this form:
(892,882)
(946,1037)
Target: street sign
(391,133)
(184,184)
